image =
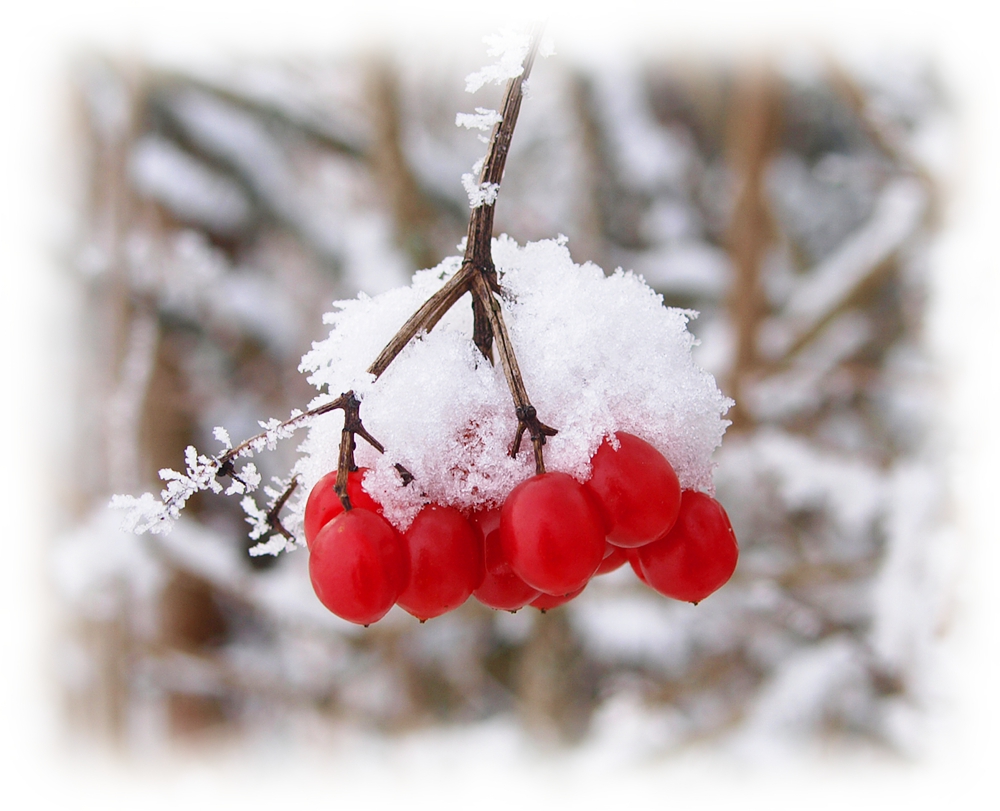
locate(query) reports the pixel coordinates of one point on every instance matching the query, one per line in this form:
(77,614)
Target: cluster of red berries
(541,548)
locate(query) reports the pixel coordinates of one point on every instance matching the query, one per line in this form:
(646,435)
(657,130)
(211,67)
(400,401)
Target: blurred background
(212,208)
(789,200)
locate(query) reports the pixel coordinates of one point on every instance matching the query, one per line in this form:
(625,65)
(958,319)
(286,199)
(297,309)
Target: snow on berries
(599,354)
(605,363)
(541,549)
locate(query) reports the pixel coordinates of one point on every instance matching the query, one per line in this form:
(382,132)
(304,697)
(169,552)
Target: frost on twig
(264,522)
(480,194)
(515,52)
(246,481)
(274,430)
(483,119)
(511,46)
(222,435)
(146,513)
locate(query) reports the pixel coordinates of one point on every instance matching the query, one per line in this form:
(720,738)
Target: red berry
(614,557)
(485,520)
(446,562)
(552,534)
(501,588)
(632,555)
(358,566)
(543,602)
(637,488)
(323,504)
(697,556)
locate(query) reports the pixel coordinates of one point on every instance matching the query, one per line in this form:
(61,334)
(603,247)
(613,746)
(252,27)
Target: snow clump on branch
(480,194)
(512,47)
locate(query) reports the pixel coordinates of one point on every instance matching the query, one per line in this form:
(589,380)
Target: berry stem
(527,418)
(345,461)
(225,460)
(488,323)
(273,519)
(478,247)
(423,320)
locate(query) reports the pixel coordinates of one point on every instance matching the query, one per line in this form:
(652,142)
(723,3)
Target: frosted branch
(512,47)
(264,522)
(480,194)
(484,119)
(146,514)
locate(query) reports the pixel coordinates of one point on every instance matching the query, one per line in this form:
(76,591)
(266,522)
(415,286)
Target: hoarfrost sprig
(512,46)
(263,522)
(146,514)
(480,193)
(256,518)
(483,119)
(517,50)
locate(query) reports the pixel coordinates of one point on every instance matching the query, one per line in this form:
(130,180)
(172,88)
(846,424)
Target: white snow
(511,46)
(484,119)
(480,194)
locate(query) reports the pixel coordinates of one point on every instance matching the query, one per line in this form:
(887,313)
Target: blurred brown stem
(753,132)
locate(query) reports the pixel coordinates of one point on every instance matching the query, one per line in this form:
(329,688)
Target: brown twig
(226,460)
(272,514)
(345,462)
(423,320)
(488,323)
(527,418)
(478,276)
(480,234)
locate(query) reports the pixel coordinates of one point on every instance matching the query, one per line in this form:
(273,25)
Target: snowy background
(831,635)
